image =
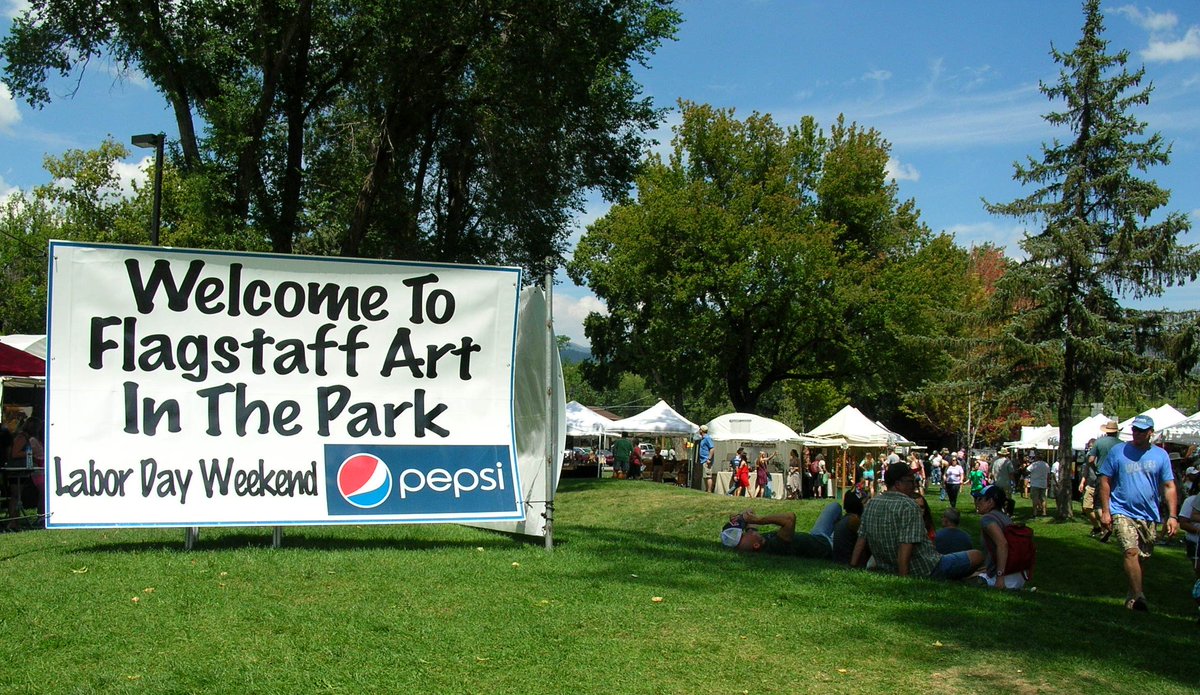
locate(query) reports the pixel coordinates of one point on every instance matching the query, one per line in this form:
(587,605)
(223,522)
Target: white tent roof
(33,344)
(751,428)
(1185,431)
(1164,416)
(659,418)
(1035,438)
(850,424)
(1087,428)
(582,421)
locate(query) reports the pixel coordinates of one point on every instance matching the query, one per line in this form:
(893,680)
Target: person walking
(1135,478)
(952,481)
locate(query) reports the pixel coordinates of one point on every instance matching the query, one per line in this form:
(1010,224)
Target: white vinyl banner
(192,388)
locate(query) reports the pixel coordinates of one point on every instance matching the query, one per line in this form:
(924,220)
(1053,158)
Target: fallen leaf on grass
(148,590)
(634,576)
(81,570)
(938,644)
(516,564)
(482,659)
(843,671)
(135,599)
(479,548)
(223,574)
(134,678)
(657,599)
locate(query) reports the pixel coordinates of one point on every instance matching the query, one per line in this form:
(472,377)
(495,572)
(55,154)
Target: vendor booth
(858,432)
(661,423)
(755,434)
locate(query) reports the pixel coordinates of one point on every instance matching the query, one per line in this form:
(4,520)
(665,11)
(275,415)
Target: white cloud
(569,313)
(6,191)
(878,76)
(1149,20)
(9,115)
(901,172)
(129,173)
(12,8)
(1186,48)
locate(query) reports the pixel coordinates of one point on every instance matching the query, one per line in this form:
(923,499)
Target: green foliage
(85,202)
(465,130)
(757,256)
(1100,235)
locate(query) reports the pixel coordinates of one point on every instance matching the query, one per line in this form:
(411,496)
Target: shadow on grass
(1070,629)
(224,540)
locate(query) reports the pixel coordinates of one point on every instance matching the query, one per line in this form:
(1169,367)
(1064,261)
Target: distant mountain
(573,354)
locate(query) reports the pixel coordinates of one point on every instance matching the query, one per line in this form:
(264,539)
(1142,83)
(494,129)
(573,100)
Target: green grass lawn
(445,609)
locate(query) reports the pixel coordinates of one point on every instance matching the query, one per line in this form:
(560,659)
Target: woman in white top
(952,480)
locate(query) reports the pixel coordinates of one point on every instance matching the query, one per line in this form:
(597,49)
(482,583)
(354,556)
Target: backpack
(1022,552)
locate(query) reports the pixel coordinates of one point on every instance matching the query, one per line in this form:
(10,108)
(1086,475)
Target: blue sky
(952,85)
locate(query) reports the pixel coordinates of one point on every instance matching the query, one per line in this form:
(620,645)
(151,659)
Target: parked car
(645,450)
(582,459)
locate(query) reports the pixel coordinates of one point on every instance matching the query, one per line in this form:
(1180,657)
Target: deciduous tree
(757,255)
(462,130)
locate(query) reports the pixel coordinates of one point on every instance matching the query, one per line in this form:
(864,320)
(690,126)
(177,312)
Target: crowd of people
(884,522)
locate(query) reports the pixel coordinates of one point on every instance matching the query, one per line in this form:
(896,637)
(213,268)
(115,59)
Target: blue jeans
(828,518)
(953,566)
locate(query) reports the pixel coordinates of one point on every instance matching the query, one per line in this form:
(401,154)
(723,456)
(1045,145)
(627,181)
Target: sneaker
(1105,536)
(1138,604)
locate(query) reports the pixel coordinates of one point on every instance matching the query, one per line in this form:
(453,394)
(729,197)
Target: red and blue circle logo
(364,481)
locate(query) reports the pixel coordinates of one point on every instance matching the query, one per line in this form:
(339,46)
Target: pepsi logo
(364,481)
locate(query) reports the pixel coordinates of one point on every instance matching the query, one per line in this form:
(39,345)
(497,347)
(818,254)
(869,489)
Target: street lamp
(154,140)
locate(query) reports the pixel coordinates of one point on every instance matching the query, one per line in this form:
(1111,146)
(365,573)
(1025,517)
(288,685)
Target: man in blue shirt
(1132,477)
(705,459)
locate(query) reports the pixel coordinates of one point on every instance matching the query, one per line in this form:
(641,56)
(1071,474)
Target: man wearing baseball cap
(1132,478)
(742,534)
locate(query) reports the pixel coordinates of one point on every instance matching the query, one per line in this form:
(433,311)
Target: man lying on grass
(892,531)
(742,534)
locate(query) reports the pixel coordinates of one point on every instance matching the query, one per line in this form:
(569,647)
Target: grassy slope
(445,609)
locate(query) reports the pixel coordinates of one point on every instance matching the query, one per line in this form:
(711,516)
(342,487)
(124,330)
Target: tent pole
(551,416)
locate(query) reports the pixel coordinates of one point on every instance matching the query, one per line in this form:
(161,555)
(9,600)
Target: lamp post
(154,140)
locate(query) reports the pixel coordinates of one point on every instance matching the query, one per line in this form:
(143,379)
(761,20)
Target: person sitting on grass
(845,531)
(742,534)
(995,509)
(893,532)
(950,538)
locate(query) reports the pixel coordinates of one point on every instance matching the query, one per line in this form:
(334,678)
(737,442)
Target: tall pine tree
(1100,235)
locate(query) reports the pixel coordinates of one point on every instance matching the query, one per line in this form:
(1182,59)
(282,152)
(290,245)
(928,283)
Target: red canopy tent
(14,362)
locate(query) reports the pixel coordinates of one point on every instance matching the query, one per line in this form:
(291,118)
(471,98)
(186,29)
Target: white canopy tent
(1185,431)
(751,428)
(755,433)
(1036,438)
(582,421)
(856,429)
(1164,416)
(1087,429)
(659,419)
